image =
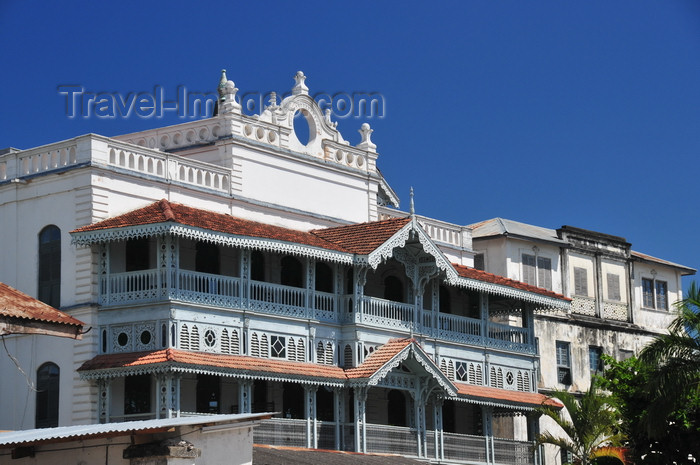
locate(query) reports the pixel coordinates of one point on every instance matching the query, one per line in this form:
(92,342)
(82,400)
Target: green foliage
(590,428)
(628,382)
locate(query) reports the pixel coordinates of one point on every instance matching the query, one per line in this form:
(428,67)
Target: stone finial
(366,143)
(272,103)
(227,95)
(300,86)
(327,116)
(412,210)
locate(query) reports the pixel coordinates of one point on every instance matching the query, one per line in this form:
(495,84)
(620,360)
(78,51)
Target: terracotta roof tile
(534,399)
(467,272)
(378,358)
(362,238)
(236,362)
(16,304)
(164,211)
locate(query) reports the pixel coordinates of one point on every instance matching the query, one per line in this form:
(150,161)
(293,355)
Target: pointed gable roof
(362,238)
(390,356)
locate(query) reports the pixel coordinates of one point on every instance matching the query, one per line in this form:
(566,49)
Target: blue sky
(546,112)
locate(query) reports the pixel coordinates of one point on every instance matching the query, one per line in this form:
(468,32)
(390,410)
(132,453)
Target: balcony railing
(385,439)
(232,292)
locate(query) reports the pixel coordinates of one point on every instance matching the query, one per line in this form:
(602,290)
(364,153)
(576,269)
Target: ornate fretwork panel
(615,311)
(584,306)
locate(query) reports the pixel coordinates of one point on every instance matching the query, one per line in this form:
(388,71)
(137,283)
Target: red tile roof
(485,393)
(378,358)
(467,272)
(164,211)
(362,238)
(16,304)
(237,362)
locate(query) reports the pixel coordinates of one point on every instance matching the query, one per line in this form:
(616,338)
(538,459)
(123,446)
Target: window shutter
(580,281)
(529,270)
(544,272)
(613,286)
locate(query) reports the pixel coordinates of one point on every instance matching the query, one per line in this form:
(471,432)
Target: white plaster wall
(653,319)
(515,250)
(617,268)
(586,262)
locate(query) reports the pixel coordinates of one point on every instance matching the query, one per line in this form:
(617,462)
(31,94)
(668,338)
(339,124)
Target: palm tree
(590,428)
(675,358)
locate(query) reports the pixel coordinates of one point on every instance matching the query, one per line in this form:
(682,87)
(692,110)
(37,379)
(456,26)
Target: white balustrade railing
(132,286)
(167,166)
(509,338)
(281,432)
(510,452)
(324,306)
(193,286)
(387,312)
(464,447)
(275,298)
(228,292)
(386,439)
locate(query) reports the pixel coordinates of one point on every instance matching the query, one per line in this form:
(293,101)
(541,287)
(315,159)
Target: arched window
(324,277)
(396,408)
(393,289)
(206,259)
(292,273)
(50,266)
(47,383)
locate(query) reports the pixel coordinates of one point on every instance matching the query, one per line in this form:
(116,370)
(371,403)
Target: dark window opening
(448,416)
(257,266)
(396,408)
(206,258)
(445,300)
(293,400)
(260,403)
(292,273)
(479,262)
(50,266)
(393,289)
(137,394)
(208,394)
(324,278)
(137,254)
(47,385)
(324,404)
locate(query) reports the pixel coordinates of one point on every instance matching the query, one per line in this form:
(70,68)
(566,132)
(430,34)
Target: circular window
(145,337)
(123,339)
(209,338)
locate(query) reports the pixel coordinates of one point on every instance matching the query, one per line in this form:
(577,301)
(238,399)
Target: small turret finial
(413,207)
(300,86)
(227,95)
(222,81)
(366,142)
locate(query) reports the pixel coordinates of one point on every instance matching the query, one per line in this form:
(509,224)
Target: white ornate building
(224,266)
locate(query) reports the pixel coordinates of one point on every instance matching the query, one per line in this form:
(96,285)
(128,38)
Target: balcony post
(310,296)
(245,389)
(484,315)
(437,421)
(339,415)
(310,407)
(105,282)
(245,278)
(168,395)
(359,279)
(360,400)
(487,421)
(104,389)
(435,295)
(533,429)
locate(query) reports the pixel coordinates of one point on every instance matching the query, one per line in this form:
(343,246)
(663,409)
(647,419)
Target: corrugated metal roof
(33,436)
(685,270)
(502,226)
